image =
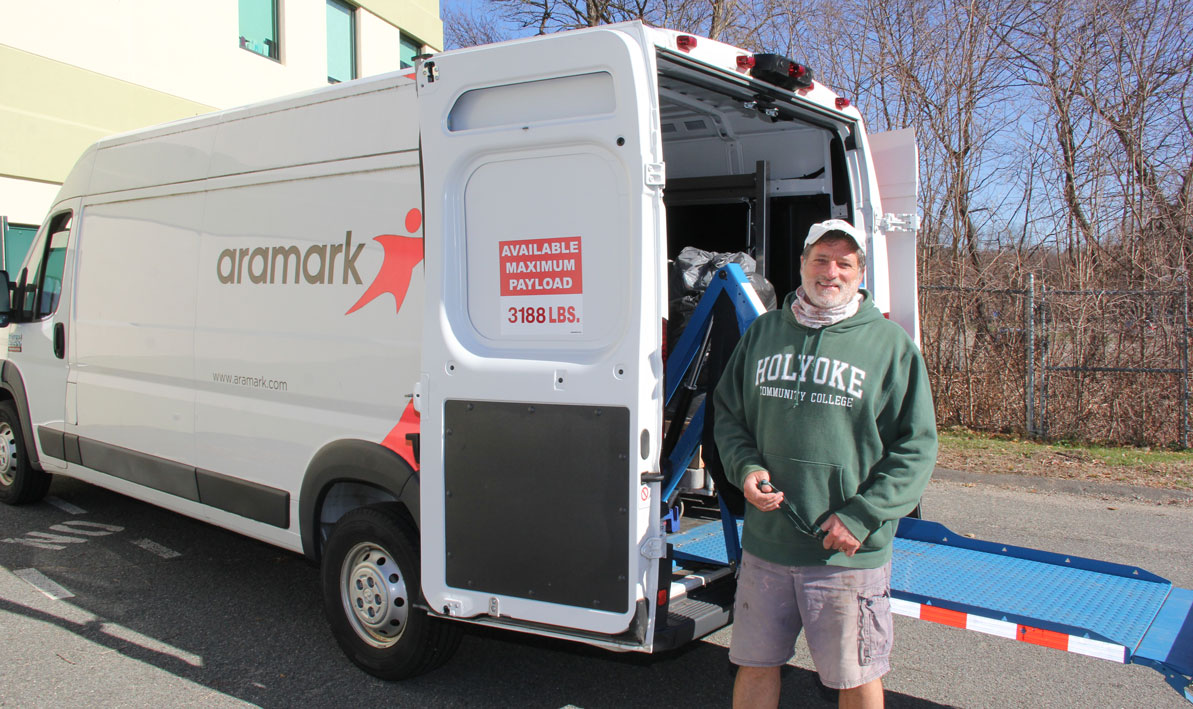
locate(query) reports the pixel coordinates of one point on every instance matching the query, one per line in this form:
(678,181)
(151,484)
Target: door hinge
(654,548)
(430,72)
(898,222)
(656,174)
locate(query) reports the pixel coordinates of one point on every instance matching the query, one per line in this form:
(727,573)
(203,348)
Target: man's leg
(867,696)
(847,617)
(756,688)
(766,624)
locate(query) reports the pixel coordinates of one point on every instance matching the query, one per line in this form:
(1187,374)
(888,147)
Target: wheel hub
(374,594)
(8,455)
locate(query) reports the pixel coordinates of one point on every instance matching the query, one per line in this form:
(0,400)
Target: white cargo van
(413,327)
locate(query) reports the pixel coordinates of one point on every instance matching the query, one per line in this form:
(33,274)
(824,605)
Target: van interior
(747,172)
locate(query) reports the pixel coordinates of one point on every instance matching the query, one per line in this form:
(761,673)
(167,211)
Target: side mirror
(5,300)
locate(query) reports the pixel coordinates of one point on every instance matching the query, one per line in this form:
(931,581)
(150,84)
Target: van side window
(41,279)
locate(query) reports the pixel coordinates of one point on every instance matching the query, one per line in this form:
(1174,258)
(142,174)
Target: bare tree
(1142,95)
(463,28)
(1114,76)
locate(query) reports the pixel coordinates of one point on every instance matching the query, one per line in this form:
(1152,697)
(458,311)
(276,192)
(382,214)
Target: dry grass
(962,449)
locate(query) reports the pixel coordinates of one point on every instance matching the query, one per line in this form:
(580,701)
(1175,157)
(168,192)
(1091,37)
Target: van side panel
(248,305)
(134,324)
(283,362)
(379,121)
(176,157)
(375,116)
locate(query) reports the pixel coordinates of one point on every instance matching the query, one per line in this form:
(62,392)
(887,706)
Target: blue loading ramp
(1110,611)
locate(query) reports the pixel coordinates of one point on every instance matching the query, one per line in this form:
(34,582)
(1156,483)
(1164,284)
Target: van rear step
(698,612)
(692,581)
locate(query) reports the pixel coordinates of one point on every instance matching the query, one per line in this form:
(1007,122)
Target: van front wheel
(19,482)
(371,596)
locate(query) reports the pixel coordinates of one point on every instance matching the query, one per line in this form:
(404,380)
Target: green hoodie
(842,419)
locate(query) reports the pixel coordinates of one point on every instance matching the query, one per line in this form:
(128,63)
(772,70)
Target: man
(824,419)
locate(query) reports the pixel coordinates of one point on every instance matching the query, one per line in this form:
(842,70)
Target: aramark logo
(329,263)
(402,254)
(274,264)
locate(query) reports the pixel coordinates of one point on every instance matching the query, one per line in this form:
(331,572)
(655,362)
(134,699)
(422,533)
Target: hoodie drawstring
(799,380)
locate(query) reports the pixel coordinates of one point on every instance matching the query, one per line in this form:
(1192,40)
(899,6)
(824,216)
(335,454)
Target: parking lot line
(152,546)
(43,583)
(66,506)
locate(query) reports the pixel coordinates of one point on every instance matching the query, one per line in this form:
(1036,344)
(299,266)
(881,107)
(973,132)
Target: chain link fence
(1094,365)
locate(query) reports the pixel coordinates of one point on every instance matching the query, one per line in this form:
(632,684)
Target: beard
(829,297)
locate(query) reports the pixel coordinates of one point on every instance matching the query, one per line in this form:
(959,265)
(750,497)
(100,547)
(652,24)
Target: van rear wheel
(19,483)
(371,596)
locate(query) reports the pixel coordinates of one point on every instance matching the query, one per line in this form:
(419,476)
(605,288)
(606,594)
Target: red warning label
(541,266)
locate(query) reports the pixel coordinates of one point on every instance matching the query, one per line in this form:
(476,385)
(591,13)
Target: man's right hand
(765,501)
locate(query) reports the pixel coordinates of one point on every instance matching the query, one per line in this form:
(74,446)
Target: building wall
(74,71)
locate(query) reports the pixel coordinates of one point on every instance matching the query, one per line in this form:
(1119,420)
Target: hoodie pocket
(813,489)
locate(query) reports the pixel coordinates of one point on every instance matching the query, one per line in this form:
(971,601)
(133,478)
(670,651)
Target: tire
(371,595)
(20,484)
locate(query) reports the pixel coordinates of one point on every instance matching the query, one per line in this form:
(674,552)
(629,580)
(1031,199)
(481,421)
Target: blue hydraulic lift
(1109,611)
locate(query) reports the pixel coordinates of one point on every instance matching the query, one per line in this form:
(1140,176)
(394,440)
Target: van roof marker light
(780,71)
(745,62)
(685,42)
(842,103)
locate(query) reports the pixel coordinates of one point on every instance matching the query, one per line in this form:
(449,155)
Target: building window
(259,27)
(16,240)
(411,48)
(341,41)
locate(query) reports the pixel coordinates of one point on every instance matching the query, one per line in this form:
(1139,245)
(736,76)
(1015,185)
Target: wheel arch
(12,388)
(347,474)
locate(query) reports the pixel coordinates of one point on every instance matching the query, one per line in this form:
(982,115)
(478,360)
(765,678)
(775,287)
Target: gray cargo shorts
(845,612)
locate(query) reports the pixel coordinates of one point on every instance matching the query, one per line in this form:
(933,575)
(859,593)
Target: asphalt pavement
(109,602)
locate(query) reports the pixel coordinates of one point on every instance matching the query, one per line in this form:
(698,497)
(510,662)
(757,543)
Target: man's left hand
(838,537)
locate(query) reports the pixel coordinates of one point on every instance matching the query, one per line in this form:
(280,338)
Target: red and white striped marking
(1011,631)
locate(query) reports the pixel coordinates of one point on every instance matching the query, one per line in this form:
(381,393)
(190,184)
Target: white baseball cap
(820,229)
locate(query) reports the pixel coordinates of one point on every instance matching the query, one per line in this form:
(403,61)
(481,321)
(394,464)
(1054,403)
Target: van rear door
(896,170)
(541,371)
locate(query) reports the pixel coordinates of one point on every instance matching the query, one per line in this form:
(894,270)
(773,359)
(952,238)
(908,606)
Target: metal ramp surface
(704,543)
(1110,611)
(1067,602)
